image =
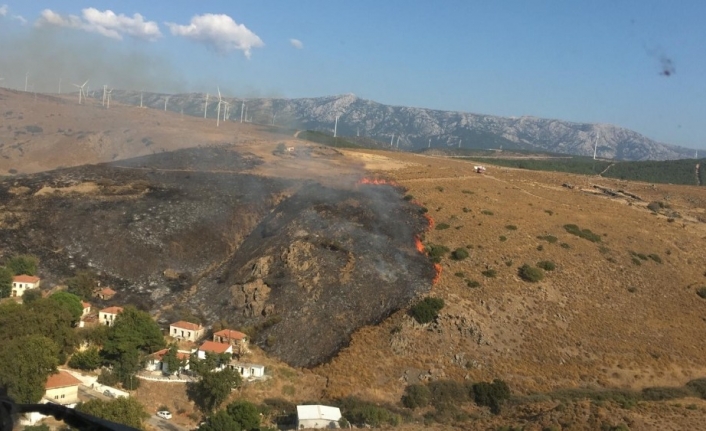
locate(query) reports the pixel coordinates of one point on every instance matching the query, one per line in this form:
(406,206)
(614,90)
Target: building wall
(106,318)
(186,334)
(18,289)
(316,423)
(65,395)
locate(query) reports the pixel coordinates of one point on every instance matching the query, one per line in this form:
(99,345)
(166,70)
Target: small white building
(21,283)
(186,331)
(107,315)
(248,371)
(86,308)
(318,416)
(155,361)
(62,388)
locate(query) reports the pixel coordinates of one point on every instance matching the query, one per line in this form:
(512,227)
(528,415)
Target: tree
(245,413)
(82,284)
(427,309)
(133,330)
(213,389)
(40,427)
(70,302)
(5,282)
(23,264)
(88,360)
(25,364)
(530,273)
(172,361)
(126,411)
(220,421)
(31,295)
(491,394)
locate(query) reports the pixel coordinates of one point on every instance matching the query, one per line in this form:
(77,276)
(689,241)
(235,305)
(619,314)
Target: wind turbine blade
(85,83)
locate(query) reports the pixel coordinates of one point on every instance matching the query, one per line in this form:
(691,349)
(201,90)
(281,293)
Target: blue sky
(598,61)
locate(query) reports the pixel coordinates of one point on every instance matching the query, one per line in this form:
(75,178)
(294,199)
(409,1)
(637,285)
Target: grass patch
(487,212)
(510,227)
(490,273)
(551,239)
(467,192)
(546,265)
(442,226)
(582,233)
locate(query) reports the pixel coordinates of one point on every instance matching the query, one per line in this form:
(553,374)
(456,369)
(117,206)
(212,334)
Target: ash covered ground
(303,264)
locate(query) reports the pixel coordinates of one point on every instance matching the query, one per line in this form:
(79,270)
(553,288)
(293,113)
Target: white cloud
(19,18)
(219,32)
(296,43)
(106,23)
(3,9)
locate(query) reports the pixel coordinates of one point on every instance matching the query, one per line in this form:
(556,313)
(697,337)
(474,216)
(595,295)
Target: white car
(164,414)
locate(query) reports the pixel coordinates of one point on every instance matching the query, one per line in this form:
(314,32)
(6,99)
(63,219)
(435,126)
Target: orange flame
(377,182)
(430,220)
(437,277)
(418,244)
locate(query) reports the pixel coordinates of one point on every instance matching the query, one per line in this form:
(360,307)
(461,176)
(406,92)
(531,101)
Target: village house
(104,293)
(155,363)
(235,338)
(213,347)
(20,283)
(107,315)
(62,388)
(318,416)
(86,308)
(186,331)
(248,371)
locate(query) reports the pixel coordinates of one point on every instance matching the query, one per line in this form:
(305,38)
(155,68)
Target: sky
(636,64)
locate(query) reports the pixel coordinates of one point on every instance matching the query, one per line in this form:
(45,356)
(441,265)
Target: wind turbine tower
(218,116)
(105,88)
(166,100)
(26,80)
(392,139)
(335,127)
(595,146)
(429,146)
(141,99)
(107,96)
(205,106)
(81,92)
(398,141)
(242,109)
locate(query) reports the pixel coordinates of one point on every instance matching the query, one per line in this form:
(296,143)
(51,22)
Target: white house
(86,308)
(186,331)
(107,315)
(20,283)
(213,347)
(60,388)
(248,370)
(155,363)
(318,416)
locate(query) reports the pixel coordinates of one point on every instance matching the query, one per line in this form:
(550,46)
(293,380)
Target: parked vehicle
(107,393)
(164,414)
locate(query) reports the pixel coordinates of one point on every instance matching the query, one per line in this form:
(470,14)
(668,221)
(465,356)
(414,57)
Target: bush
(447,392)
(491,394)
(701,291)
(472,284)
(503,238)
(439,188)
(511,227)
(530,273)
(442,226)
(582,233)
(487,212)
(655,257)
(436,252)
(459,254)
(427,309)
(87,360)
(564,245)
(460,274)
(408,197)
(546,265)
(416,396)
(490,273)
(551,239)
(107,378)
(698,386)
(361,413)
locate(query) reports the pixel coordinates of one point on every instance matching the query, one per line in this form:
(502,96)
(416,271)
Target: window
(62,395)
(56,397)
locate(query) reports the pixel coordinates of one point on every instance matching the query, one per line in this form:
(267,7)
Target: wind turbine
(595,146)
(335,127)
(205,106)
(107,94)
(429,146)
(80,91)
(274,116)
(26,80)
(218,116)
(166,100)
(226,110)
(141,92)
(105,88)
(392,140)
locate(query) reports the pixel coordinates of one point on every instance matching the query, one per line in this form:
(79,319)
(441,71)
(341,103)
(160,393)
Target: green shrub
(509,262)
(530,273)
(540,247)
(546,265)
(436,252)
(472,284)
(467,192)
(564,245)
(466,210)
(408,197)
(511,227)
(107,378)
(490,273)
(87,360)
(503,238)
(416,396)
(698,386)
(636,261)
(423,210)
(701,291)
(459,254)
(460,274)
(551,239)
(442,226)
(427,309)
(361,413)
(491,394)
(665,393)
(487,212)
(447,392)
(582,233)
(655,257)
(550,212)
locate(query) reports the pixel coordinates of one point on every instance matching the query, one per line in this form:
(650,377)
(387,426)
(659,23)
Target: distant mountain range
(416,128)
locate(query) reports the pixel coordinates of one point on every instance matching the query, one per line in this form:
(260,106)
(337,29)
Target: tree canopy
(88,360)
(213,389)
(133,330)
(23,264)
(70,302)
(126,411)
(220,421)
(25,364)
(82,284)
(5,282)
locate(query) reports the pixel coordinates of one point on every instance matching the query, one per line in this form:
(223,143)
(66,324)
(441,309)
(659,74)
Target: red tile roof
(112,310)
(187,325)
(180,355)
(107,291)
(230,334)
(86,304)
(213,347)
(60,380)
(25,279)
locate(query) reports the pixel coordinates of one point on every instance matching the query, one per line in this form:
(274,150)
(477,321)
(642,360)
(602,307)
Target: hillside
(418,127)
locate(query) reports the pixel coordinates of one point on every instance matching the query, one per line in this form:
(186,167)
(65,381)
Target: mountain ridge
(412,128)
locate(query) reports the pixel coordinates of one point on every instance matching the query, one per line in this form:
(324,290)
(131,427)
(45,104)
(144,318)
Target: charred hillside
(324,263)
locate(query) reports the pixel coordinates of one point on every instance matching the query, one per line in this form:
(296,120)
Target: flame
(377,182)
(418,244)
(437,268)
(430,221)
